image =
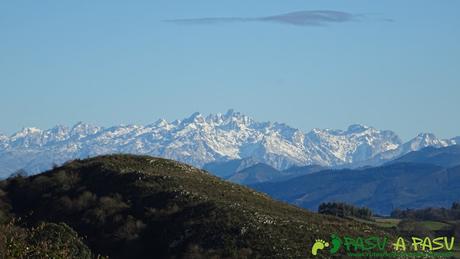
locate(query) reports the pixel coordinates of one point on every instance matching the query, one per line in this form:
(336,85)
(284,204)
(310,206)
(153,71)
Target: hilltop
(127,206)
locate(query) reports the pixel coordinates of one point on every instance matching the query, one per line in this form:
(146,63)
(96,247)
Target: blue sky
(389,64)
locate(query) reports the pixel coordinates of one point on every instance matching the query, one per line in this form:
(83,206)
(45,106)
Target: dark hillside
(143,207)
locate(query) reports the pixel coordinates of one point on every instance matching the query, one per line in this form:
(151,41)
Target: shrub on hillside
(341,209)
(48,240)
(436,214)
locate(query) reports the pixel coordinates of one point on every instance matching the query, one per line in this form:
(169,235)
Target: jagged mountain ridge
(198,140)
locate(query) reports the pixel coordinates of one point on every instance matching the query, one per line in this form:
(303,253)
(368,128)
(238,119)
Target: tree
(19,173)
(341,209)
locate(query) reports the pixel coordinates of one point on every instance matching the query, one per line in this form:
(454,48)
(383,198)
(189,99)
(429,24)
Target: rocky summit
(199,140)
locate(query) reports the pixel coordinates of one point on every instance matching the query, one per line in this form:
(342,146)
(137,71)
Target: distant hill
(250,171)
(226,169)
(445,156)
(143,207)
(296,171)
(402,183)
(382,189)
(255,174)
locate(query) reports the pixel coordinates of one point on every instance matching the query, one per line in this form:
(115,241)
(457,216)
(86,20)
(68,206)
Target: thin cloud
(301,18)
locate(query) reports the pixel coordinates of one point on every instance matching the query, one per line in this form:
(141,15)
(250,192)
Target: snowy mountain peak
(234,116)
(58,130)
(198,140)
(427,139)
(194,118)
(230,113)
(231,120)
(58,133)
(456,140)
(81,130)
(27,131)
(426,136)
(357,128)
(160,123)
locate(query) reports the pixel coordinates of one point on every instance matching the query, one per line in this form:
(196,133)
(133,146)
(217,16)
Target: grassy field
(393,222)
(435,228)
(436,225)
(386,222)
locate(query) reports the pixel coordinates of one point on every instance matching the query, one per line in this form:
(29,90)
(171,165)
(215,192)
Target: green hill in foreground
(128,206)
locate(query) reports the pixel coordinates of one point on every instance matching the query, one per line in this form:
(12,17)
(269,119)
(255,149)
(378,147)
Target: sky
(311,64)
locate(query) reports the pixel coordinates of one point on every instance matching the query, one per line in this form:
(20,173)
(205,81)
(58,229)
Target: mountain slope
(199,140)
(144,207)
(255,174)
(297,171)
(445,156)
(421,141)
(228,168)
(382,189)
(249,171)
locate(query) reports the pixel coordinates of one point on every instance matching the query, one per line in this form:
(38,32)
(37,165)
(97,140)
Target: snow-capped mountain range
(199,140)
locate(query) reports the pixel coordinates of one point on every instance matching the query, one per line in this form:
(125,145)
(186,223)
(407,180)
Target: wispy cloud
(301,18)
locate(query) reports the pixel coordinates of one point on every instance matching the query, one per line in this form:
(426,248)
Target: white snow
(198,140)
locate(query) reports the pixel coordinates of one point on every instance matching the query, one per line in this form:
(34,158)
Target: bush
(4,208)
(436,214)
(341,209)
(48,240)
(58,241)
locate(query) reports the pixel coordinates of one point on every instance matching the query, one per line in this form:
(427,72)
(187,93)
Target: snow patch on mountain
(199,140)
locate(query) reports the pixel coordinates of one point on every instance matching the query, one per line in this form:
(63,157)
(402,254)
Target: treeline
(341,209)
(437,214)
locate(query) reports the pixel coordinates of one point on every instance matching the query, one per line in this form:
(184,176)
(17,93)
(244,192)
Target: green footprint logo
(336,243)
(318,245)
